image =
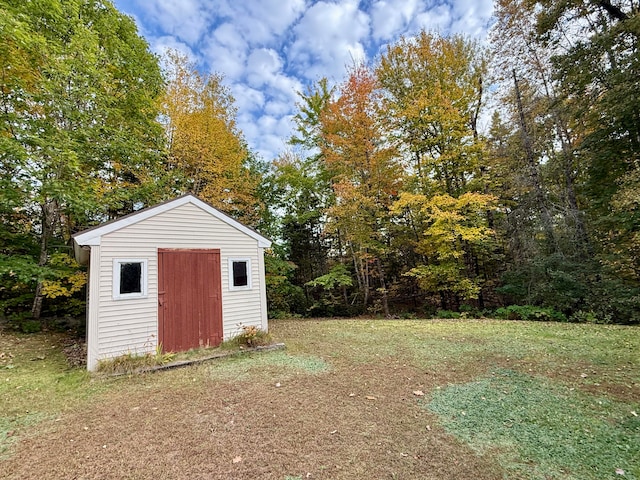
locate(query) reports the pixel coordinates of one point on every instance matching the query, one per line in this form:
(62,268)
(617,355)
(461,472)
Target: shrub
(446,314)
(469,310)
(252,336)
(589,317)
(530,312)
(30,326)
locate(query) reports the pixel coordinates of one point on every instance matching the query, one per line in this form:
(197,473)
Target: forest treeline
(446,176)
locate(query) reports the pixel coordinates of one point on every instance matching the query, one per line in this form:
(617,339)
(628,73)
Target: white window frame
(143,281)
(247,260)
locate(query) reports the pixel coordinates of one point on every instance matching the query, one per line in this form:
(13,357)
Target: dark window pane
(131,277)
(240,278)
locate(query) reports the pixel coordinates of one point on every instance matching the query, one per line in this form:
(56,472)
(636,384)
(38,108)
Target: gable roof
(93,235)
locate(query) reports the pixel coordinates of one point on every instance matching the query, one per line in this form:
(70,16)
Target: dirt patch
(345,400)
(75,350)
(362,422)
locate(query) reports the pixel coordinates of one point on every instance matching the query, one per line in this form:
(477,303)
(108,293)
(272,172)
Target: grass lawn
(347,399)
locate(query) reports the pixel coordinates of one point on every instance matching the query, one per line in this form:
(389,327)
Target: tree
(79,137)
(579,62)
(365,175)
(454,238)
(207,154)
(433,97)
(302,193)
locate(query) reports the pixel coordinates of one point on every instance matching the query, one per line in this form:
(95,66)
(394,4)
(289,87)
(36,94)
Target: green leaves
(79,136)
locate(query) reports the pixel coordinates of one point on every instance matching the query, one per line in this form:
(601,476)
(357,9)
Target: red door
(189,299)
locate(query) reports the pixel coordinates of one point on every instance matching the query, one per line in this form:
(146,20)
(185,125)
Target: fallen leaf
(10,433)
(369,397)
(237,459)
(418,393)
(583,375)
(352,394)
(633,412)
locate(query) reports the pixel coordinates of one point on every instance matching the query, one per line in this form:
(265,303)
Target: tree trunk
(569,177)
(383,287)
(49,211)
(534,175)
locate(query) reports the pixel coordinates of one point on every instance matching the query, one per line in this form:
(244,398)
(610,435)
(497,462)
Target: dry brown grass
(261,417)
(308,425)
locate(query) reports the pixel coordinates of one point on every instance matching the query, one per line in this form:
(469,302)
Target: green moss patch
(539,429)
(243,367)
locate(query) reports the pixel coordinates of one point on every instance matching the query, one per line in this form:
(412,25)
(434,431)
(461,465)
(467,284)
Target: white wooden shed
(178,275)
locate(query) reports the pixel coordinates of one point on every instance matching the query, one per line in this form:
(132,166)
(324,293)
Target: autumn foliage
(444,176)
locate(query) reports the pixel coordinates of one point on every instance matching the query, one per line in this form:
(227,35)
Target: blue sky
(267,50)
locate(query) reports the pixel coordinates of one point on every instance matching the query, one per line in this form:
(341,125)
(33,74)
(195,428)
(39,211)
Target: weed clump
(132,362)
(250,336)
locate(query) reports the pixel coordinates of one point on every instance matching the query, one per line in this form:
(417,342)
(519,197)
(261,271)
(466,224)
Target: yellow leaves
(408,201)
(65,287)
(69,280)
(443,207)
(452,227)
(205,147)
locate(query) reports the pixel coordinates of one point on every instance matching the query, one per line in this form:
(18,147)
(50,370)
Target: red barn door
(189,299)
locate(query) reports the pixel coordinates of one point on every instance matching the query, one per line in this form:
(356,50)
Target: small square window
(240,278)
(239,274)
(129,278)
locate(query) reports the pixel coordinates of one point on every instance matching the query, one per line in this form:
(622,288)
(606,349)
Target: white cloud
(389,18)
(277,108)
(472,17)
(262,20)
(267,49)
(436,19)
(160,45)
(264,70)
(262,65)
(329,37)
(247,99)
(227,34)
(187,20)
(267,135)
(226,56)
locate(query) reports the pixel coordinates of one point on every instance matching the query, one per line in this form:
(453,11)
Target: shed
(175,276)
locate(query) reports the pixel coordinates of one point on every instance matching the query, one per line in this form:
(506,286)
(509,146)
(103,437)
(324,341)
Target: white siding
(92,308)
(131,325)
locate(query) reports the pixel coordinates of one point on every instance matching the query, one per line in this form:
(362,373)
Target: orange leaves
(357,151)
